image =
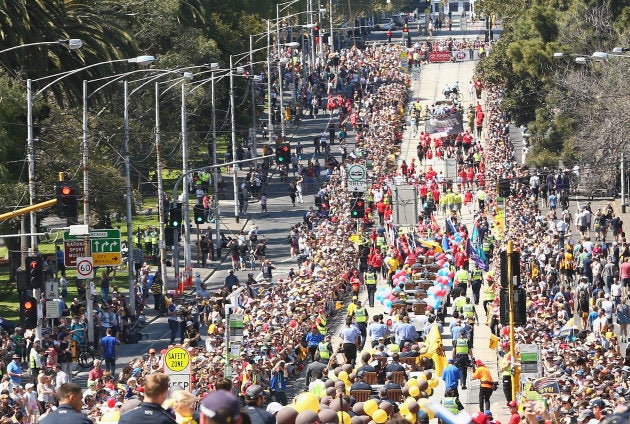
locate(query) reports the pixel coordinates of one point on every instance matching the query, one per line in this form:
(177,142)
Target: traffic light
(283,154)
(199,214)
(316,31)
(34,267)
(358,209)
(520,310)
(67,199)
(175,216)
(169,235)
(516,268)
(28,312)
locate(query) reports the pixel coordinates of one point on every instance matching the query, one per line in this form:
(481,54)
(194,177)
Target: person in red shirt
(515,418)
(96,372)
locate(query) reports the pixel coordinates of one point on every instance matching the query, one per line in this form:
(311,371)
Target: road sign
(357,176)
(177,366)
(415,73)
(530,360)
(52,309)
(85,268)
(73,249)
(104,245)
(51,289)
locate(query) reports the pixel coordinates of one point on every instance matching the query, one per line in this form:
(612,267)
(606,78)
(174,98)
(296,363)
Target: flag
(568,329)
(474,235)
(493,343)
(434,225)
(450,228)
(445,246)
(435,350)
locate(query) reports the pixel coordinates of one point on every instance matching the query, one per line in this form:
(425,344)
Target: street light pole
(86,191)
(186,185)
(233,124)
(130,247)
(160,188)
(217,208)
(330,18)
(269,104)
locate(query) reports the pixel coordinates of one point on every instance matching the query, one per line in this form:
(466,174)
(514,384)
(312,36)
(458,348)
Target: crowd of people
(287,325)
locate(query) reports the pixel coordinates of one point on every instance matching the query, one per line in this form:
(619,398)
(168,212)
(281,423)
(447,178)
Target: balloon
(506,330)
(422,376)
(327,416)
(412,382)
(403,279)
(413,407)
(286,415)
(343,376)
(414,391)
(357,408)
(441,263)
(433,383)
(429,391)
(379,416)
(344,417)
(451,275)
(396,281)
(404,410)
(388,304)
(370,406)
(442,272)
(410,417)
(293,323)
(111,403)
(445,265)
(428,374)
(306,402)
(423,385)
(357,420)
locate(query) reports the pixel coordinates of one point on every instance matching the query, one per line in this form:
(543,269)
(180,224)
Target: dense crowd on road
(288,320)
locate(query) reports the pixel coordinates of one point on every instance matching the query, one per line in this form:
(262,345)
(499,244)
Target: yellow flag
(494,342)
(435,350)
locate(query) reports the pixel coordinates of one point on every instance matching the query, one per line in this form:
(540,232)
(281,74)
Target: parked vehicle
(385,25)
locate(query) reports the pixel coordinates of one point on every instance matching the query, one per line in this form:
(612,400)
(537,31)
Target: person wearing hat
(451,402)
(221,407)
(505,368)
(320,321)
(482,373)
(515,417)
(254,399)
(150,410)
(361,316)
(14,370)
(192,333)
(451,376)
(597,406)
(70,405)
(488,414)
(352,306)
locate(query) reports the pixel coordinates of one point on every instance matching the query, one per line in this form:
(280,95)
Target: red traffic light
(359,203)
(66,191)
(285,148)
(33,264)
(28,305)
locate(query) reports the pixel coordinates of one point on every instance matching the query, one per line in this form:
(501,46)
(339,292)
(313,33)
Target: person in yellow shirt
(352,306)
(392,266)
(482,373)
(183,404)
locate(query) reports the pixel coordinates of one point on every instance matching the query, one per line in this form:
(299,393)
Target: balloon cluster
(442,284)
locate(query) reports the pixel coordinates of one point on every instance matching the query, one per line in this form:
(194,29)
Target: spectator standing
(108,345)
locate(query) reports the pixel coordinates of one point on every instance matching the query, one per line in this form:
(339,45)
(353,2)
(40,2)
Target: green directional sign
(104,244)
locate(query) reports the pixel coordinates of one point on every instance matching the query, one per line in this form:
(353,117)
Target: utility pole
(510,272)
(623,184)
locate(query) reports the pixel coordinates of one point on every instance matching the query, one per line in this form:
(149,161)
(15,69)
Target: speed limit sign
(85,268)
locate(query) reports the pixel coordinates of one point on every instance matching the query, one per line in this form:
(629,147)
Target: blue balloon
(446,265)
(443,272)
(388,303)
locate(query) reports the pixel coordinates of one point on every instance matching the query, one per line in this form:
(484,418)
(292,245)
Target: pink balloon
(505,330)
(441,263)
(451,274)
(441,292)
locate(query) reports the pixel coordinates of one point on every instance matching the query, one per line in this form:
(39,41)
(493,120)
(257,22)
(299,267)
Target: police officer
(468,310)
(361,318)
(451,402)
(325,349)
(254,399)
(370,285)
(150,411)
(462,356)
(476,281)
(70,398)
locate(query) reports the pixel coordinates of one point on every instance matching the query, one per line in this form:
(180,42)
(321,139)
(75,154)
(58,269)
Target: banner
(436,57)
(494,342)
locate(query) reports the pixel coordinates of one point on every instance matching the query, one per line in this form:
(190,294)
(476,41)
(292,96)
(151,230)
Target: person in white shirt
(608,306)
(61,377)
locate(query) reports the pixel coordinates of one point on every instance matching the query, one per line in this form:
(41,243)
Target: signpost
(177,367)
(104,245)
(85,268)
(357,176)
(530,360)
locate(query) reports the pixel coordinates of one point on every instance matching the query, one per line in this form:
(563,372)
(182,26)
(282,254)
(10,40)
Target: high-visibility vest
(450,403)
(462,277)
(461,346)
(380,240)
(324,353)
(505,362)
(469,310)
(488,293)
(361,314)
(393,347)
(370,278)
(485,246)
(477,275)
(318,388)
(460,302)
(321,324)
